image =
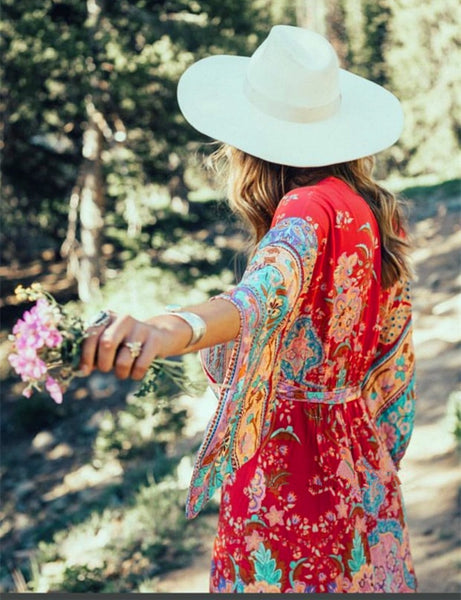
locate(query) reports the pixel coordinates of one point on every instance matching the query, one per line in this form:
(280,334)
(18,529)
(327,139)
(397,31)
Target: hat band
(298,114)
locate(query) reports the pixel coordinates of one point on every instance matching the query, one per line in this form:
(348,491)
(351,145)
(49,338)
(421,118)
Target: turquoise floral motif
(401,368)
(396,422)
(265,566)
(303,351)
(374,493)
(357,555)
(315,398)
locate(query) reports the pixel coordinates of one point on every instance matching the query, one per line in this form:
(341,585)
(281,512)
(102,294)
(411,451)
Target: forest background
(105,202)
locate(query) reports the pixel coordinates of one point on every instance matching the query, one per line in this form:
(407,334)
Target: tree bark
(312,15)
(92,204)
(85,259)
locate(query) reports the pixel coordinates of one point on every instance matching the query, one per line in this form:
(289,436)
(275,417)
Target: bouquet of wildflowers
(47,342)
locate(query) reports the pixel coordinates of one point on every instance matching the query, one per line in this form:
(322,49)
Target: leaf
(364,248)
(265,566)
(357,554)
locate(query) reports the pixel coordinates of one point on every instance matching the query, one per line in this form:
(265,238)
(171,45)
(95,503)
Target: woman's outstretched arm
(161,336)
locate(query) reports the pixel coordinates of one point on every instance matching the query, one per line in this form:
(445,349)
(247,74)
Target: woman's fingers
(136,353)
(90,346)
(148,353)
(110,340)
(126,345)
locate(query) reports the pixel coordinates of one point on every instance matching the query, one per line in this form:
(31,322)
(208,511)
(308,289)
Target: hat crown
(293,74)
(290,103)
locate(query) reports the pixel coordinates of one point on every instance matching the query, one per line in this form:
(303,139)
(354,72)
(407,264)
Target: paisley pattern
(303,351)
(315,410)
(271,285)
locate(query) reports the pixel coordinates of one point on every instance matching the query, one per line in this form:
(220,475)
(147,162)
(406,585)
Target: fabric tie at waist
(290,392)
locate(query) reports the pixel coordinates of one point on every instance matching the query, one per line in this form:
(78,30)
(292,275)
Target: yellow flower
(21,293)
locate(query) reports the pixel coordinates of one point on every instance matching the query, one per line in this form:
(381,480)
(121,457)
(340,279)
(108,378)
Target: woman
(311,353)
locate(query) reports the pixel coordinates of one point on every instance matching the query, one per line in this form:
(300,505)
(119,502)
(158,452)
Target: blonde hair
(255,187)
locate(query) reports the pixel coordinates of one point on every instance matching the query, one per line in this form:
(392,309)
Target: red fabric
(318,507)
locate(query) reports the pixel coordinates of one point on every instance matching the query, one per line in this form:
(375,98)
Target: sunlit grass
(114,549)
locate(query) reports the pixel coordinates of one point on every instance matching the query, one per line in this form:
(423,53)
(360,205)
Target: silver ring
(135,348)
(101,319)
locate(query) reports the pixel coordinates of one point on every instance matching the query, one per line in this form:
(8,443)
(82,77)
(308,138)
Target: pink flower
(27,392)
(53,389)
(346,313)
(27,333)
(27,364)
(38,327)
(274,516)
(38,344)
(252,541)
(389,434)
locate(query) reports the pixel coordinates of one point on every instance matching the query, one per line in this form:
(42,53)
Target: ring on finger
(135,348)
(102,318)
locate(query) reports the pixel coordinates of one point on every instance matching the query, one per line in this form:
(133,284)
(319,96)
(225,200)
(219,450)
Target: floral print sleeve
(390,384)
(280,269)
(315,410)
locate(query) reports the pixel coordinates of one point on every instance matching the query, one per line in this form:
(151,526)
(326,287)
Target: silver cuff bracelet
(196,323)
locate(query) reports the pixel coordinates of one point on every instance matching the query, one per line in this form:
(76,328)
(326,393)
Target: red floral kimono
(316,407)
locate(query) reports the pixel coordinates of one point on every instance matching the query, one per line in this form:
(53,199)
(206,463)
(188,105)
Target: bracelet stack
(196,323)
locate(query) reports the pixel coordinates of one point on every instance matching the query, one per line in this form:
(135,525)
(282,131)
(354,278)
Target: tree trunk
(92,201)
(92,198)
(312,15)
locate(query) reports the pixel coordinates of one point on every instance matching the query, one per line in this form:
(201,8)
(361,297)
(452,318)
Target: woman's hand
(107,347)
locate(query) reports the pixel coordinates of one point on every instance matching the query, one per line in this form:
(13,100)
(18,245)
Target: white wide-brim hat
(290,103)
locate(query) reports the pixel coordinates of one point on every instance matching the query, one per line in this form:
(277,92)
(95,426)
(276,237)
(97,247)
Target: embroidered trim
(290,392)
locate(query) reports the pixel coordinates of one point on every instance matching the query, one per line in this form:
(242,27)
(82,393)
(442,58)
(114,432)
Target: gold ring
(135,348)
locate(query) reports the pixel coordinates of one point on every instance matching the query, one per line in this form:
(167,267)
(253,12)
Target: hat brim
(211,97)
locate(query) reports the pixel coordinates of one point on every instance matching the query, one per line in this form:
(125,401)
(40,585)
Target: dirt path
(430,473)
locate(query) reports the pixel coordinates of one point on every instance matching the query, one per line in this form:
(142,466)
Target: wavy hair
(255,187)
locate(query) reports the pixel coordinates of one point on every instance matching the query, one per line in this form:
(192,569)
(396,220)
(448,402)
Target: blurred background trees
(91,119)
(91,114)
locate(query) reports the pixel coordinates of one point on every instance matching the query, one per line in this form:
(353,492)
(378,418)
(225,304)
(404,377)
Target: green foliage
(81,579)
(454,416)
(112,550)
(126,60)
(411,48)
(423,55)
(123,58)
(144,428)
(457,428)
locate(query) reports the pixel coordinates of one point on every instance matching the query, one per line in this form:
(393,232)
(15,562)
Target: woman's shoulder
(316,202)
(319,203)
